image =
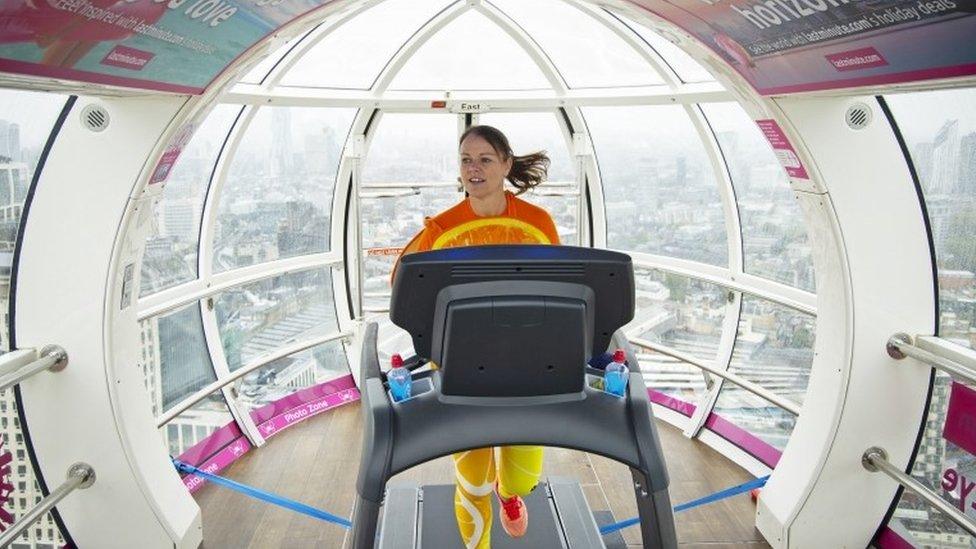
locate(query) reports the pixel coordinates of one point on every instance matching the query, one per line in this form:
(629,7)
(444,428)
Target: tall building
(10,140)
(967,164)
(281,146)
(945,159)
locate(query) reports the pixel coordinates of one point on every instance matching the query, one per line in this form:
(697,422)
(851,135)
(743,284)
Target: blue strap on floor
(262,495)
(728,492)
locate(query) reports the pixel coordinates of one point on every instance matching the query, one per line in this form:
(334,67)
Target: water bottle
(617,374)
(400,379)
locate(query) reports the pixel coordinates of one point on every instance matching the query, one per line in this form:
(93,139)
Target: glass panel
(940,132)
(171,252)
(530,132)
(451,60)
(179,361)
(353,55)
(939,461)
(684,314)
(773,233)
(687,69)
(774,349)
(413,148)
(26,121)
(261,70)
(590,55)
(287,375)
(277,200)
(186,435)
(260,318)
(661,193)
(533,131)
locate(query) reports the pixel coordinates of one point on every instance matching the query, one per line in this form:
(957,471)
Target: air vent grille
(509,269)
(95,118)
(858,116)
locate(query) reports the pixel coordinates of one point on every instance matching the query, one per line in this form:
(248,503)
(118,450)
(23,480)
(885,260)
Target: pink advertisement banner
(787,46)
(960,423)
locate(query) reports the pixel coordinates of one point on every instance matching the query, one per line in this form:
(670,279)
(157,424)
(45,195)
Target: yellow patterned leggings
(517,468)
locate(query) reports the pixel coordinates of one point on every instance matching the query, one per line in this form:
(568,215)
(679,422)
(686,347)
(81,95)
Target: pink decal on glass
(853,60)
(668,401)
(753,445)
(279,423)
(172,153)
(889,539)
(783,148)
(960,423)
(218,463)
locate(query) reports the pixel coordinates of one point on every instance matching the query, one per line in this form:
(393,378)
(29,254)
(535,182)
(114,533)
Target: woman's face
(483,170)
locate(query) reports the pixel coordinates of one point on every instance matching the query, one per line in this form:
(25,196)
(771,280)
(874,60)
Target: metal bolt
(893,345)
(84,471)
(59,354)
(872,453)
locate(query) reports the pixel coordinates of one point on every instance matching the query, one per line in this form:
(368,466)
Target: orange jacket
(522,223)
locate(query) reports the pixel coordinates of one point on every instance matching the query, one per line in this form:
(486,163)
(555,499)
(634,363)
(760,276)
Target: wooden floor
(316,462)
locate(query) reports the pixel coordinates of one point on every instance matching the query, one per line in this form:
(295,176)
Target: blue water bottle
(617,374)
(400,379)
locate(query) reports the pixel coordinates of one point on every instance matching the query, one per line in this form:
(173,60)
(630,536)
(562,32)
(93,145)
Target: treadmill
(511,329)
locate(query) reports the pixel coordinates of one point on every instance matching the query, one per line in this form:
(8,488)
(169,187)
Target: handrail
(80,476)
(876,459)
(261,361)
(938,353)
(19,365)
(742,382)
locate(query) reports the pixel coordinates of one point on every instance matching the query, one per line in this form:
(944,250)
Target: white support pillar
(874,278)
(69,285)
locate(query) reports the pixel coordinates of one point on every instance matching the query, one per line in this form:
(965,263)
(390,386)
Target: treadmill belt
(439,527)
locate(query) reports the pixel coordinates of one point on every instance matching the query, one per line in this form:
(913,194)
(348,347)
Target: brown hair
(527,170)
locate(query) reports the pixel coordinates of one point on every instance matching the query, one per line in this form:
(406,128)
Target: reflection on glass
(681,313)
(353,55)
(178,362)
(774,349)
(171,252)
(277,200)
(588,56)
(260,318)
(26,121)
(661,193)
(773,233)
(258,73)
(914,519)
(444,61)
(190,429)
(413,148)
(687,69)
(940,131)
(287,375)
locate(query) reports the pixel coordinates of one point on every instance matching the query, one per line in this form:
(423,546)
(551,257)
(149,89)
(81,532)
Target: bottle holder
(417,388)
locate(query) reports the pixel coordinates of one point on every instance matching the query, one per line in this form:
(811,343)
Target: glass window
(940,132)
(277,200)
(26,122)
(661,196)
(534,131)
(938,462)
(171,251)
(257,74)
(681,313)
(184,362)
(285,376)
(774,349)
(188,434)
(687,69)
(589,56)
(773,233)
(261,317)
(353,55)
(451,60)
(413,148)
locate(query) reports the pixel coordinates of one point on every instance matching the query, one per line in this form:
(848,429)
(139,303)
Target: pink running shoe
(514,516)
